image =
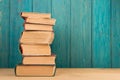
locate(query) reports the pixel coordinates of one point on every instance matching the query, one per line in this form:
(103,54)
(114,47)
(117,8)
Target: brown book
(37,37)
(38,27)
(31,71)
(35,15)
(35,50)
(39,60)
(40,21)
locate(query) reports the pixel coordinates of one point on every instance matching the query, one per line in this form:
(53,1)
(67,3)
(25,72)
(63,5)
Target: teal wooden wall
(87,32)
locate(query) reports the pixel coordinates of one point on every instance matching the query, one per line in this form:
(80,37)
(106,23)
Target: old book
(35,15)
(37,37)
(38,27)
(35,50)
(35,70)
(40,21)
(41,60)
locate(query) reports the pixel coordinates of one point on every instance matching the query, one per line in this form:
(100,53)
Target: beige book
(37,37)
(39,60)
(35,15)
(38,27)
(31,71)
(40,21)
(35,50)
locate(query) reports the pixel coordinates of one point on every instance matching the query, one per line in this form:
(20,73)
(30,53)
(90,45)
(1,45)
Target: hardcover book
(39,60)
(37,37)
(35,70)
(35,50)
(36,27)
(35,15)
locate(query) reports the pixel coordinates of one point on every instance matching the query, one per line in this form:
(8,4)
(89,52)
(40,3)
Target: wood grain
(81,33)
(115,33)
(101,56)
(16,27)
(61,43)
(4,32)
(86,31)
(43,6)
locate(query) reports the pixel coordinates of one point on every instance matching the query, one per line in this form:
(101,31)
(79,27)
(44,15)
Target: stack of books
(35,43)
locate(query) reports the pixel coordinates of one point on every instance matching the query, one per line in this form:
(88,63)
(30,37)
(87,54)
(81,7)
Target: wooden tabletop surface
(68,74)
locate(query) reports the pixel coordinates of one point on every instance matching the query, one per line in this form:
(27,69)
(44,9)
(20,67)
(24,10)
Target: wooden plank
(101,55)
(81,33)
(26,5)
(43,6)
(4,32)
(115,33)
(68,74)
(61,44)
(16,27)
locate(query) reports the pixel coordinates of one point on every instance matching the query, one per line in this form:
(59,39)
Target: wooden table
(68,74)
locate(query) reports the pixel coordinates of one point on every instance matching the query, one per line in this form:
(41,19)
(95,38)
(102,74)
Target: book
(35,50)
(35,70)
(35,15)
(35,40)
(37,27)
(37,37)
(40,21)
(39,60)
